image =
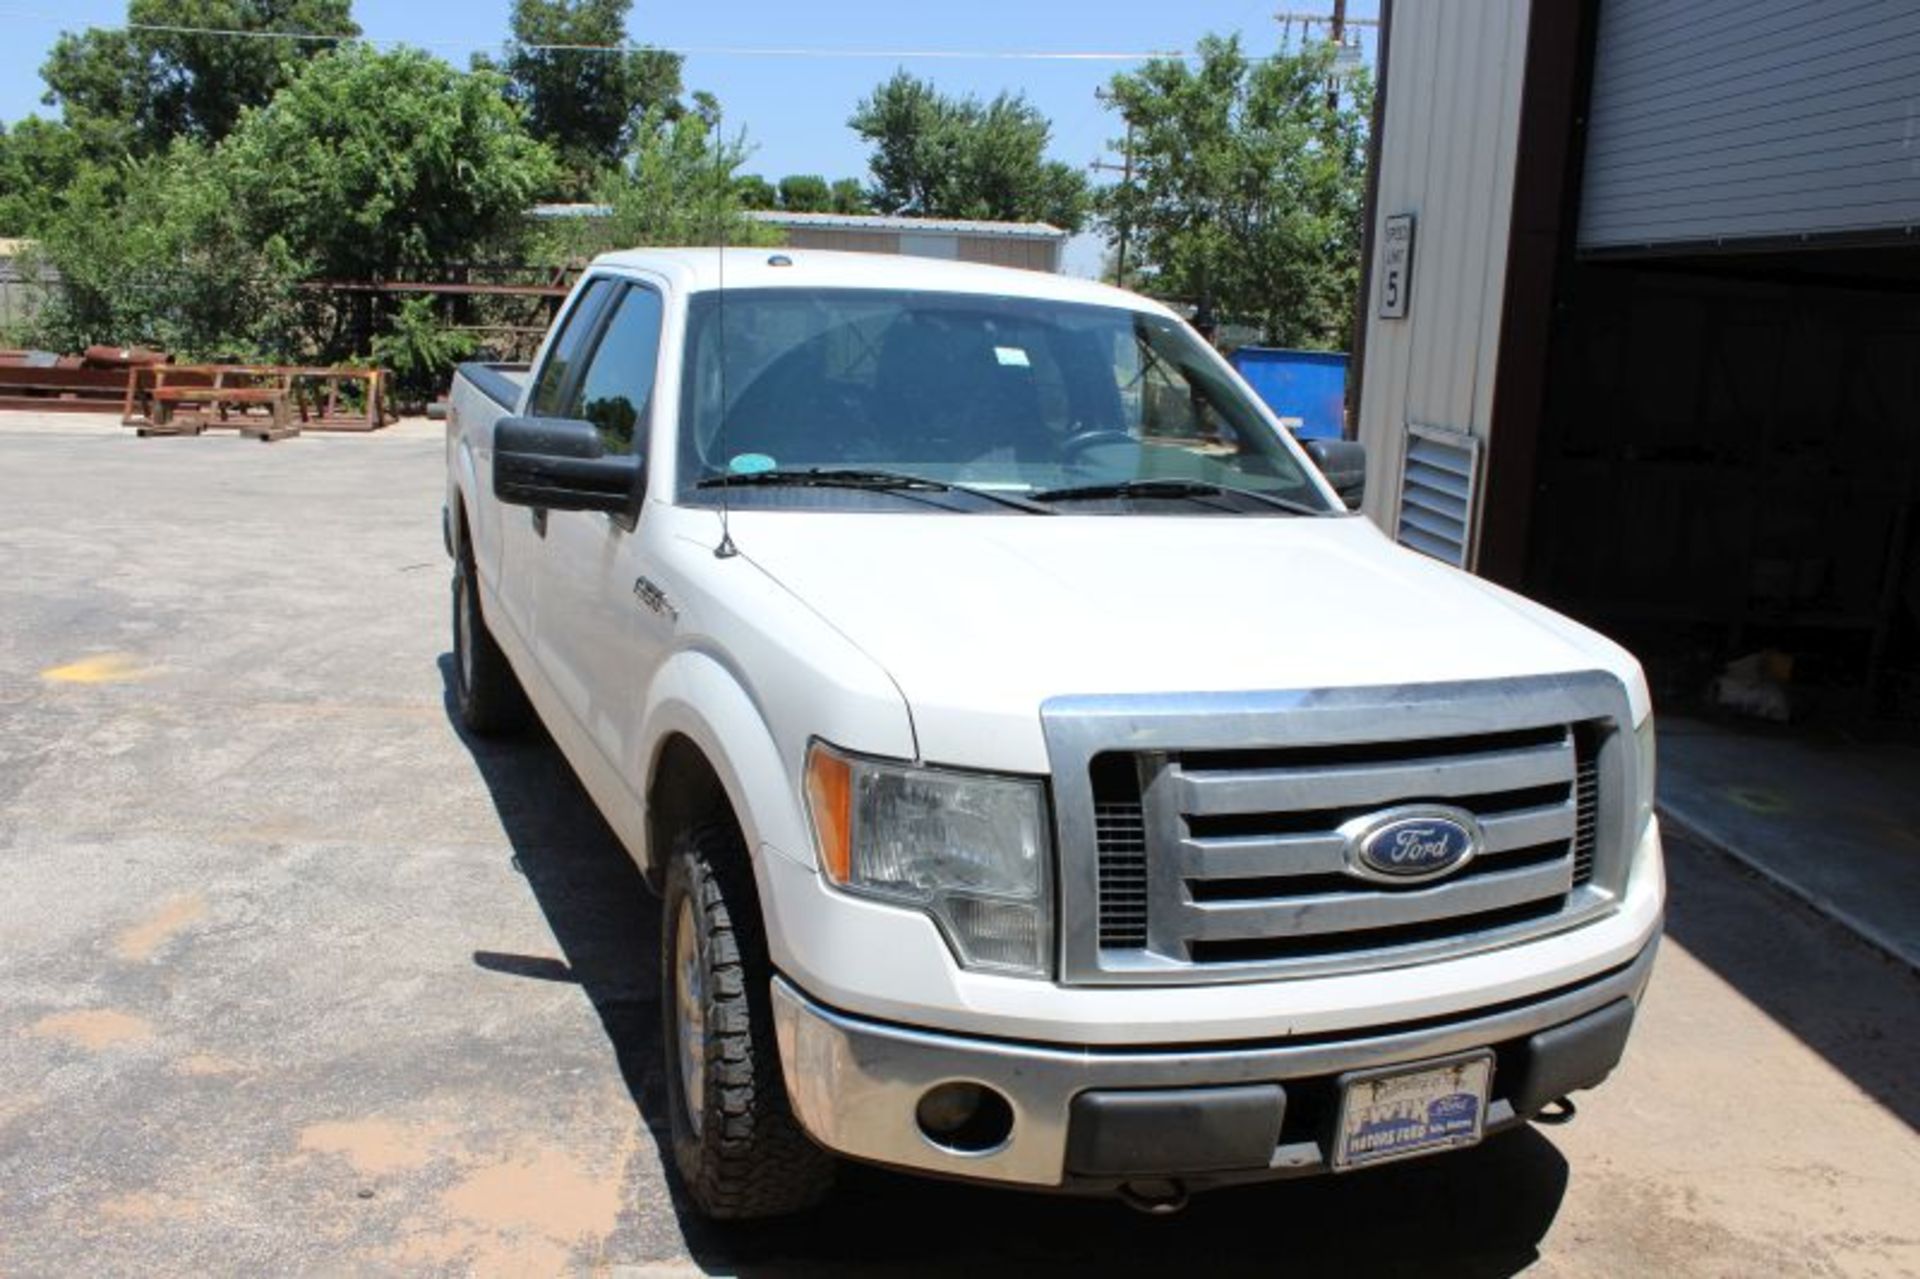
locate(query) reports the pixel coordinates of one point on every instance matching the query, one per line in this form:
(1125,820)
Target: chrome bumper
(855,1084)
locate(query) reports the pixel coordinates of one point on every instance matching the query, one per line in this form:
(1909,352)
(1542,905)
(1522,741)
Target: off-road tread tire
(750,1159)
(494,705)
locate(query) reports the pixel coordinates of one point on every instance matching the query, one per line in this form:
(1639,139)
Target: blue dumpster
(1307,389)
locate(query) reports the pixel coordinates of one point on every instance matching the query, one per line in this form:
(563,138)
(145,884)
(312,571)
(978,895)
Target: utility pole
(1336,23)
(1339,39)
(1125,170)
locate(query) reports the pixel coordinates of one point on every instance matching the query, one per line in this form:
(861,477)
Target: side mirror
(1344,463)
(559,464)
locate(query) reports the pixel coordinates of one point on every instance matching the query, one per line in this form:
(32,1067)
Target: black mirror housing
(559,464)
(1344,463)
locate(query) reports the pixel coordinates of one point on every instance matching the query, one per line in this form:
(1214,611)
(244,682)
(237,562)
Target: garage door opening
(1729,466)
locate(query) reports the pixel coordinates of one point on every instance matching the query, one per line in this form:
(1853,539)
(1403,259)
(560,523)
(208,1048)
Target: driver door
(596,643)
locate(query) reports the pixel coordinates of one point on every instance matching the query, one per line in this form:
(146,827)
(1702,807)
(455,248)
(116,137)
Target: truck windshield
(1101,407)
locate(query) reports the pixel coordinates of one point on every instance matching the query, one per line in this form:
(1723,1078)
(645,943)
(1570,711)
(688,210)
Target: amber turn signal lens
(830,804)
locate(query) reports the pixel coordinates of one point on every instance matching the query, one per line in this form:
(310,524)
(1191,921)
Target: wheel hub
(690,1014)
(463,629)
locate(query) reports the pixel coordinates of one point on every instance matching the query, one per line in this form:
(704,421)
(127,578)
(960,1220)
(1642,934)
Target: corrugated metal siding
(1033,255)
(1454,75)
(1751,119)
(844,241)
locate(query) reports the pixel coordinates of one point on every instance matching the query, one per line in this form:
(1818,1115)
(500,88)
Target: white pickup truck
(1049,782)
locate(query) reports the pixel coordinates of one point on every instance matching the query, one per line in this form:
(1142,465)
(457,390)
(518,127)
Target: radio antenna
(726,550)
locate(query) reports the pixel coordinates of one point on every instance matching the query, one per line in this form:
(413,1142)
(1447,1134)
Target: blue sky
(794,109)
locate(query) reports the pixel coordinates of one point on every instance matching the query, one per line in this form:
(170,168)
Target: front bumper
(856,1085)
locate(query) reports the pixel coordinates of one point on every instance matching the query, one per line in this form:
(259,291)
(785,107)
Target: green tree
(1248,188)
(805,193)
(850,197)
(39,161)
(756,192)
(585,104)
(159,84)
(947,157)
(678,186)
(161,255)
(375,165)
(419,351)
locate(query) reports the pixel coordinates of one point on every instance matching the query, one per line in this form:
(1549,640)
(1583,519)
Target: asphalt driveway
(295,979)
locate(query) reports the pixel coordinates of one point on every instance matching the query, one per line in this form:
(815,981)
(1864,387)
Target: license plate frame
(1411,1108)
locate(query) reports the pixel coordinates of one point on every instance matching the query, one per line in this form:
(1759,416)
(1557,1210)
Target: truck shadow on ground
(1479,1213)
(1855,1006)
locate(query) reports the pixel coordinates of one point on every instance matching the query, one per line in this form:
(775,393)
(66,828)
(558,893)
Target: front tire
(485,690)
(739,1149)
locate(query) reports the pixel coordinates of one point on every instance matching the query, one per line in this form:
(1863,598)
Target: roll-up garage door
(1752,121)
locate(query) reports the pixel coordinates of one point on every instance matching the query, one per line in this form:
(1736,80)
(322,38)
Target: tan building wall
(844,241)
(1453,82)
(993,250)
(1030,255)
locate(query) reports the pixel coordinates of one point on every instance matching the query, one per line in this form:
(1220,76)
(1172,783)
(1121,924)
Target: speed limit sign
(1396,266)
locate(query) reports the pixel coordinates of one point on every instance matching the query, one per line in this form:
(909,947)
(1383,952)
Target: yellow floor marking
(103,668)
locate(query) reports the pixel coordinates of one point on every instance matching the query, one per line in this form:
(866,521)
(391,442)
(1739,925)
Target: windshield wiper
(1171,489)
(869,480)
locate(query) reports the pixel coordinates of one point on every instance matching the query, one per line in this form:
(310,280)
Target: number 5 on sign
(1396,265)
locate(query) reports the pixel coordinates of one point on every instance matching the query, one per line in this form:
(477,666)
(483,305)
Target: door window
(618,384)
(563,355)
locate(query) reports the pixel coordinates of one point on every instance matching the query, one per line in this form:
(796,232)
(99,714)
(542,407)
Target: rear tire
(739,1149)
(485,690)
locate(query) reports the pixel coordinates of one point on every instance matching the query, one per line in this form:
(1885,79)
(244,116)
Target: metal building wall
(1453,83)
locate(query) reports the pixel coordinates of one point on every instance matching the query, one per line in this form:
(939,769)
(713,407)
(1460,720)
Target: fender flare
(696,697)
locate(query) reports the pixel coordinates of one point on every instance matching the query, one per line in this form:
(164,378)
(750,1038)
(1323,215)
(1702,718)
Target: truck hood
(979,619)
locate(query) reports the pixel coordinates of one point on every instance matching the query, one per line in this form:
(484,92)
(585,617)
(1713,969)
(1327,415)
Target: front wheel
(736,1142)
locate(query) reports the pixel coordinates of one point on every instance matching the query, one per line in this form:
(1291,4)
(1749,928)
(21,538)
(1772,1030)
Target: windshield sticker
(751,463)
(1012,357)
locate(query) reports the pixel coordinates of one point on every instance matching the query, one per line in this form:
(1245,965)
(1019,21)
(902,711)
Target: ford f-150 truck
(1048,780)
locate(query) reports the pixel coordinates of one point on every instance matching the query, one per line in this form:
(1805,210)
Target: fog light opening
(965,1118)
(1155,1198)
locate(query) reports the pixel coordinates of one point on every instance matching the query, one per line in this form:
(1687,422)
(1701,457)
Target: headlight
(969,849)
(1643,775)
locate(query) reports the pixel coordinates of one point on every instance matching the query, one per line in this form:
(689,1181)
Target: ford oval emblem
(1406,844)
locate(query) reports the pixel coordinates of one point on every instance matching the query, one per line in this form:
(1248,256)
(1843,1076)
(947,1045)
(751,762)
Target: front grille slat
(1527,827)
(1358,911)
(1248,856)
(1206,793)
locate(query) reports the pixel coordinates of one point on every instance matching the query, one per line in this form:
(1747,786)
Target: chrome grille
(1214,824)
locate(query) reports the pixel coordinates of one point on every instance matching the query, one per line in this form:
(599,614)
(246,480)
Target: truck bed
(500,383)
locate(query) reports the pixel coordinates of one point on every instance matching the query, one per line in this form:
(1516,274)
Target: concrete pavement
(1834,821)
(293,979)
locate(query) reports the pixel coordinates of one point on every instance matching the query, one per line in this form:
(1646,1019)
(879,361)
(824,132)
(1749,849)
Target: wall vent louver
(1438,488)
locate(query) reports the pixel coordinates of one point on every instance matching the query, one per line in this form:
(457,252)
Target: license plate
(1412,1110)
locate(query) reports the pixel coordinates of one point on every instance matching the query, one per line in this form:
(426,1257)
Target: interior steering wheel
(1079,442)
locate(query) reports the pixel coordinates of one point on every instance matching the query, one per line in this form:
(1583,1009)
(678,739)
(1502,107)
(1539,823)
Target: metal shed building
(1035,246)
(1641,333)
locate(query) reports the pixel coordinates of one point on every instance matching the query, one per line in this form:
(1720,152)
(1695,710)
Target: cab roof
(698,270)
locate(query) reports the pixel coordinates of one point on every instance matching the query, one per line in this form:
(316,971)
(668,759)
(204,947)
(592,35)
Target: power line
(727,51)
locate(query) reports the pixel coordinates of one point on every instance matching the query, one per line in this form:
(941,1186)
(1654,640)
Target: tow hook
(1558,1111)
(1155,1198)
